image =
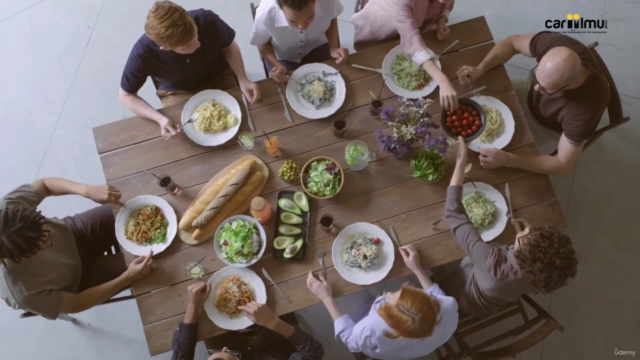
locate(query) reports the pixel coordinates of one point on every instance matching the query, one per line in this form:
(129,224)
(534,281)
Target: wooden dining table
(384,193)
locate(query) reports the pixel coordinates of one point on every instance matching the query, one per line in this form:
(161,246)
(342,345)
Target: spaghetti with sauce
(147,226)
(233,292)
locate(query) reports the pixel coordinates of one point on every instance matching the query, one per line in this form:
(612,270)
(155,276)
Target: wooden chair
(253,17)
(471,325)
(115,250)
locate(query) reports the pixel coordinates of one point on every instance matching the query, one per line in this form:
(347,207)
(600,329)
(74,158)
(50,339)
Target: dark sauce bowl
(481,113)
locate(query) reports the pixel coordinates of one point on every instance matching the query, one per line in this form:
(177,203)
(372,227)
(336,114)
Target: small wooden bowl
(305,169)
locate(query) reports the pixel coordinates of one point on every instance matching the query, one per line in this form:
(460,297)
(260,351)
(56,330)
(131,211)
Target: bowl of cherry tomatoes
(467,121)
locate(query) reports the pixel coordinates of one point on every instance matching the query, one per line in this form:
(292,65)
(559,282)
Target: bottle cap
(258,203)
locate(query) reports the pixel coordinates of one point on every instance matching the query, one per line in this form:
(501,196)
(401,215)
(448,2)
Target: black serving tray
(304,226)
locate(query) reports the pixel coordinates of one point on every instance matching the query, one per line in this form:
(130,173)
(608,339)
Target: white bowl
(136,203)
(261,233)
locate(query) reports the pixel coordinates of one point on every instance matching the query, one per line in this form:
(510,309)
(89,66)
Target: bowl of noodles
(146,223)
(232,287)
(218,120)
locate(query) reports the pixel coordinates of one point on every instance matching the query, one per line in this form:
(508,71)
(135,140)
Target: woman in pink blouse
(373,23)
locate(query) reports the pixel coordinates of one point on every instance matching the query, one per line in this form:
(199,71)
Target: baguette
(201,202)
(209,229)
(222,198)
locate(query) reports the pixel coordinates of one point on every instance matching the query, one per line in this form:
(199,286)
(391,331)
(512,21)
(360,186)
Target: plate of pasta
(232,287)
(486,208)
(409,80)
(146,222)
(316,91)
(218,120)
(499,127)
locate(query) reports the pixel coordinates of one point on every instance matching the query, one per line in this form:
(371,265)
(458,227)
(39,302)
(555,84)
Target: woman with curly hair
(493,276)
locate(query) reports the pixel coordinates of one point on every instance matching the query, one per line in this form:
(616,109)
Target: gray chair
(253,17)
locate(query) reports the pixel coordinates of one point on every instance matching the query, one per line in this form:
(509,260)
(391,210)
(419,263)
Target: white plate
(261,233)
(223,320)
(387,66)
(507,130)
(374,273)
(303,108)
(494,195)
(136,203)
(200,98)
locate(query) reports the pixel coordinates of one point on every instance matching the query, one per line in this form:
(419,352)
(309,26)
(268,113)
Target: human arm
(278,72)
(340,54)
(412,260)
(307,348)
(461,162)
(140,107)
(74,303)
(448,95)
(560,164)
(234,58)
(102,194)
(185,338)
(498,55)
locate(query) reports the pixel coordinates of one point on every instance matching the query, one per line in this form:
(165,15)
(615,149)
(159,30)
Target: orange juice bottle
(272,145)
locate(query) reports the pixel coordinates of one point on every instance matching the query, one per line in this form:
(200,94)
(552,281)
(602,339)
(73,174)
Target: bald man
(567,94)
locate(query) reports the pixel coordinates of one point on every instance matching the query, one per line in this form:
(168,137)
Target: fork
(320,255)
(193,118)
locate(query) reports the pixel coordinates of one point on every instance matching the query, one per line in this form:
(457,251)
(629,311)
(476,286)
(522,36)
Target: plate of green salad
(240,241)
(322,177)
(409,80)
(486,208)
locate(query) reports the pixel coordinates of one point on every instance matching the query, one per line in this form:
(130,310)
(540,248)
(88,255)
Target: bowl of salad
(322,177)
(240,241)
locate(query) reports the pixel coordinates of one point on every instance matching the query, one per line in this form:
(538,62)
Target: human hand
(260,314)
(448,96)
(104,194)
(468,74)
(521,226)
(279,74)
(139,268)
(167,129)
(410,257)
(493,158)
(461,151)
(251,90)
(341,55)
(199,293)
(319,287)
(442,30)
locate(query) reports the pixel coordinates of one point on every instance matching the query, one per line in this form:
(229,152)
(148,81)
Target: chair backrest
(253,17)
(536,333)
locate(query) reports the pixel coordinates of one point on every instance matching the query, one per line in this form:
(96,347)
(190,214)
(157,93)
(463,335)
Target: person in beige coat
(493,276)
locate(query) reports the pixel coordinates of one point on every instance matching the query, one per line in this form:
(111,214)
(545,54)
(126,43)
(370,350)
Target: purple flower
(386,113)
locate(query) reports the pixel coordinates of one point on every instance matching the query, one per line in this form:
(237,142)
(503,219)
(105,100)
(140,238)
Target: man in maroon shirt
(568,95)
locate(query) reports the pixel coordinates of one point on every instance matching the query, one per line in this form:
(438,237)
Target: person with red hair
(404,324)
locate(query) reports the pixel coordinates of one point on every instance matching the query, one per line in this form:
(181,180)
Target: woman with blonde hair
(404,324)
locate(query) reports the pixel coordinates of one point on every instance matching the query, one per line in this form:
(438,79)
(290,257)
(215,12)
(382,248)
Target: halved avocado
(289,218)
(288,230)
(293,249)
(282,242)
(301,200)
(290,206)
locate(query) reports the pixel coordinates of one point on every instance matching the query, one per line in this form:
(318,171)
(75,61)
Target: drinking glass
(167,183)
(358,155)
(246,141)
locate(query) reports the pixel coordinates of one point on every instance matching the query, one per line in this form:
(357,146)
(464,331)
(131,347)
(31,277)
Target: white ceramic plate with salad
(235,239)
(393,81)
(346,263)
(505,131)
(500,221)
(326,105)
(213,139)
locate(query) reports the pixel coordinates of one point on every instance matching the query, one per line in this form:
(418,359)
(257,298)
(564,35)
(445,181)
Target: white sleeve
(260,34)
(422,56)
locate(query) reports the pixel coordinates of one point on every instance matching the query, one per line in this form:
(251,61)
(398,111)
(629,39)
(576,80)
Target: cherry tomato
(376,241)
(455,117)
(464,133)
(454,131)
(475,128)
(465,122)
(458,123)
(475,112)
(478,123)
(467,115)
(459,112)
(448,113)
(450,125)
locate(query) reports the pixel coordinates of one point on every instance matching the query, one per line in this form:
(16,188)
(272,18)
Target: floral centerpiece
(410,126)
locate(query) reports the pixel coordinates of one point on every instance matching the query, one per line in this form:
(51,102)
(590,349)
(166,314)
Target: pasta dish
(481,211)
(494,125)
(147,226)
(233,292)
(316,90)
(214,117)
(361,252)
(408,75)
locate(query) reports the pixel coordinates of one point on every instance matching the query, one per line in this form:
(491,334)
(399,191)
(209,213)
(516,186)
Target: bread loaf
(222,198)
(209,229)
(205,199)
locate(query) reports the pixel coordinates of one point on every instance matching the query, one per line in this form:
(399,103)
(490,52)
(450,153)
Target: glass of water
(358,155)
(246,141)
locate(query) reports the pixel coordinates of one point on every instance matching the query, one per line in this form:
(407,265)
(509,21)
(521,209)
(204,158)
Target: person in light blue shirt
(404,324)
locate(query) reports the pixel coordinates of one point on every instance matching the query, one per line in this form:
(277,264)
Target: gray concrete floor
(60,69)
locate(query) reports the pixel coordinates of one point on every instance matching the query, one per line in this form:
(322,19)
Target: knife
(266,274)
(394,236)
(284,102)
(246,106)
(508,194)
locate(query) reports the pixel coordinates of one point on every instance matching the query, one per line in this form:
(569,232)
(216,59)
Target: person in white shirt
(400,325)
(291,33)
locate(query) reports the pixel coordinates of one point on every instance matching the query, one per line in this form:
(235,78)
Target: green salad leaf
(428,166)
(236,241)
(481,211)
(323,178)
(161,234)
